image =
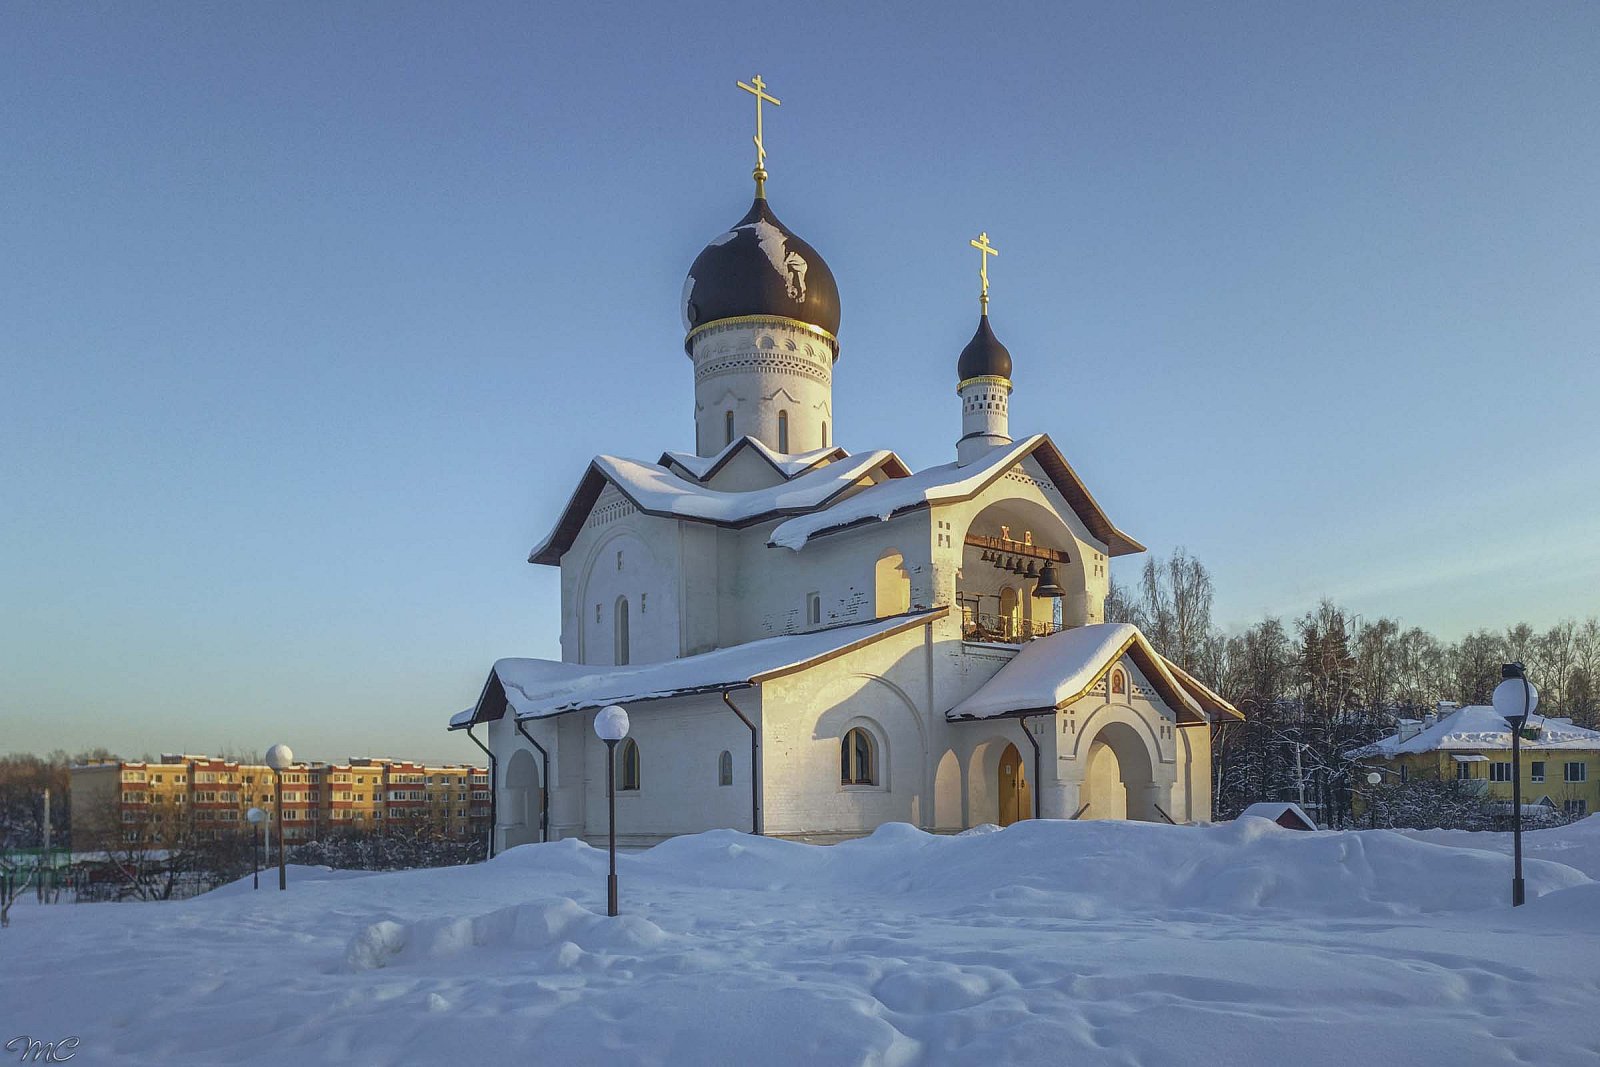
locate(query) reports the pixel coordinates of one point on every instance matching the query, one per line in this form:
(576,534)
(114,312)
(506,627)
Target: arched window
(621,636)
(725,768)
(783,432)
(858,758)
(1119,683)
(824,434)
(727,427)
(628,765)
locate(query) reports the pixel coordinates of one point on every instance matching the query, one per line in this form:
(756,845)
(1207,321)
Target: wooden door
(1016,799)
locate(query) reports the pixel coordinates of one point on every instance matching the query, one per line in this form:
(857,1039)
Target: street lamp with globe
(611,726)
(1373,780)
(1515,699)
(255,817)
(280,758)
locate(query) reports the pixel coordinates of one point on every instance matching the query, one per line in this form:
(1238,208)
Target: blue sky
(313,314)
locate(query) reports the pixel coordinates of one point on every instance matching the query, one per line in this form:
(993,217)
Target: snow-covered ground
(1048,942)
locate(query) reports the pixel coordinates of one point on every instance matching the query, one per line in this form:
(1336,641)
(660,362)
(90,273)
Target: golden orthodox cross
(985,250)
(758,89)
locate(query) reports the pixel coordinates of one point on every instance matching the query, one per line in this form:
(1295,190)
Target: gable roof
(704,468)
(656,490)
(949,483)
(1276,810)
(538,688)
(1055,671)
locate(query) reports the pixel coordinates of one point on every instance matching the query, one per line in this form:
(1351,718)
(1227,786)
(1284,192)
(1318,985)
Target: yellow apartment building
(1472,745)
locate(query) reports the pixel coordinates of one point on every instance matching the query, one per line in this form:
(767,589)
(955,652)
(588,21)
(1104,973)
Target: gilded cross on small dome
(985,250)
(758,89)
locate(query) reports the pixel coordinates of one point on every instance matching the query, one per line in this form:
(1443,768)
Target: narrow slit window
(622,631)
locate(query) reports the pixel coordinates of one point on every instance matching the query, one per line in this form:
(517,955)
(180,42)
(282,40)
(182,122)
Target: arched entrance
(1016,796)
(1118,780)
(520,806)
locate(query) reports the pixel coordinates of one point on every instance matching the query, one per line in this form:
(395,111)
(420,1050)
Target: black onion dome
(760,268)
(984,355)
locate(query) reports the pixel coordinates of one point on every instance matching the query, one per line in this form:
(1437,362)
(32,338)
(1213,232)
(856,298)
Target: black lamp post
(280,758)
(611,726)
(255,816)
(1515,699)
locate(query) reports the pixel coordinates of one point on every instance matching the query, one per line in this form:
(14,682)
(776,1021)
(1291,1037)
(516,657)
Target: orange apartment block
(211,795)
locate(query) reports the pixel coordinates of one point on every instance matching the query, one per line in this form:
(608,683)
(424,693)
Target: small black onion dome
(760,268)
(984,355)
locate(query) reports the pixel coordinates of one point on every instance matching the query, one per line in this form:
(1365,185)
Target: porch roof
(1052,672)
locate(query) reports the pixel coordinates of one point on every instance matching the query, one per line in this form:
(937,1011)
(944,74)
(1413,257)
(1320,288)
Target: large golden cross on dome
(985,249)
(758,89)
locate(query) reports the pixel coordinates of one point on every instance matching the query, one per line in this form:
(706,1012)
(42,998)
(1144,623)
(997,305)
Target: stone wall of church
(882,688)
(620,585)
(680,788)
(765,379)
(1192,793)
(680,743)
(766,591)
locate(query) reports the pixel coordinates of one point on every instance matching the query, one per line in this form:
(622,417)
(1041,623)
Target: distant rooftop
(1480,727)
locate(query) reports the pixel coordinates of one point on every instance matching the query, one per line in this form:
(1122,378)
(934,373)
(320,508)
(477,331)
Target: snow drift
(1046,942)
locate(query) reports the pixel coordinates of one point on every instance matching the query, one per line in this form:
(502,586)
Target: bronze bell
(1032,571)
(1048,586)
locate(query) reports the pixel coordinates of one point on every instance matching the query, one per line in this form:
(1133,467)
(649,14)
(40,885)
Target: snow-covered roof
(933,485)
(788,465)
(1052,672)
(656,490)
(951,482)
(815,495)
(1480,727)
(537,688)
(1276,810)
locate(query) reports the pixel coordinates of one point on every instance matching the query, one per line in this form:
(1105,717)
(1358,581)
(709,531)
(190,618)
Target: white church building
(812,642)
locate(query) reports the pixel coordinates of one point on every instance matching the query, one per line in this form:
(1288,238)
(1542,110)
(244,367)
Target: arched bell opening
(1021,574)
